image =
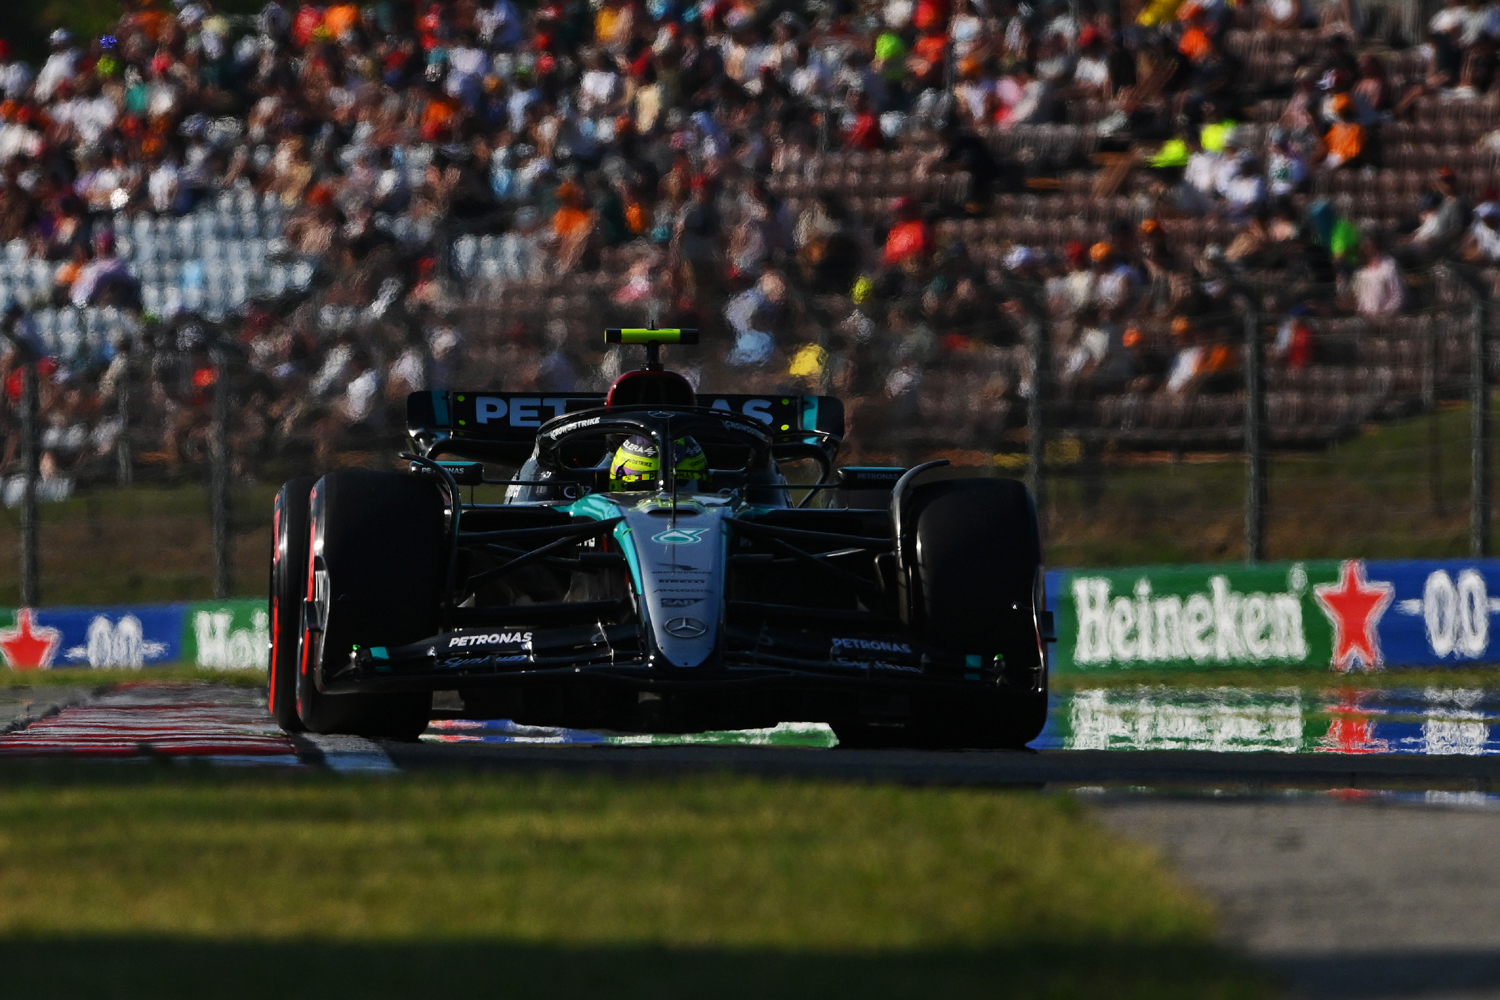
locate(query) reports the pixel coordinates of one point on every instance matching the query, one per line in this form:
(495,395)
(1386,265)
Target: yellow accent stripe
(637,335)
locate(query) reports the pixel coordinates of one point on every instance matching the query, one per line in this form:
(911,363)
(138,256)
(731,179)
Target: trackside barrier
(1319,615)
(223,635)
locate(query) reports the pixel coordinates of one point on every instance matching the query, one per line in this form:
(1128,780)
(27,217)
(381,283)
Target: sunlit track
(229,726)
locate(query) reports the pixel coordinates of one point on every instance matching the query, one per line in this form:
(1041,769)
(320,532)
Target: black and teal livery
(899,606)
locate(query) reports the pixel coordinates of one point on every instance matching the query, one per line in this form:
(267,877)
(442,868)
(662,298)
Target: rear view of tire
(978,555)
(288,587)
(376,562)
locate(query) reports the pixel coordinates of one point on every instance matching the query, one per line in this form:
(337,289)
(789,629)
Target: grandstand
(882,200)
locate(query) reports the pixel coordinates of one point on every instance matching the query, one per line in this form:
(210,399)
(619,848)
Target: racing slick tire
(978,556)
(973,589)
(377,560)
(288,587)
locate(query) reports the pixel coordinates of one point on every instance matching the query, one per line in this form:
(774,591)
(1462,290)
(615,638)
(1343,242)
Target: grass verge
(147,882)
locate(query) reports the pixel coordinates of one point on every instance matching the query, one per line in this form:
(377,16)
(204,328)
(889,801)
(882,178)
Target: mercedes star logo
(686,628)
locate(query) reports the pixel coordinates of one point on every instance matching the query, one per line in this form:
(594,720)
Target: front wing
(519,655)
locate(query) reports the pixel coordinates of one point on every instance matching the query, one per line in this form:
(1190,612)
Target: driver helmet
(636,464)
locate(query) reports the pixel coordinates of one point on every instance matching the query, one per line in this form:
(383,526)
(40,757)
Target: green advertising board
(1193,618)
(226,635)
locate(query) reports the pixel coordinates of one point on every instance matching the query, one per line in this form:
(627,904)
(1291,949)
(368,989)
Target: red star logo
(27,647)
(1350,728)
(1354,606)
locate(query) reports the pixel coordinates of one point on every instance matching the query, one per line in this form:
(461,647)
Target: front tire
(377,563)
(976,589)
(288,587)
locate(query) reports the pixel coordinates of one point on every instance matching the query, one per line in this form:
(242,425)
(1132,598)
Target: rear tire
(288,587)
(378,563)
(973,590)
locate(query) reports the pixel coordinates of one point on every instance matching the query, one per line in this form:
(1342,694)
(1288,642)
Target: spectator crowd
(889,201)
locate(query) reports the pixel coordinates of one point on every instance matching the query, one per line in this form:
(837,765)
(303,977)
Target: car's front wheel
(976,590)
(288,587)
(377,562)
(974,555)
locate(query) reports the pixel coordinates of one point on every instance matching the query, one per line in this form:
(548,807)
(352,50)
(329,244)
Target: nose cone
(682,572)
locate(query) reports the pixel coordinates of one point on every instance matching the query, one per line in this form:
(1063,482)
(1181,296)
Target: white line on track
(351,753)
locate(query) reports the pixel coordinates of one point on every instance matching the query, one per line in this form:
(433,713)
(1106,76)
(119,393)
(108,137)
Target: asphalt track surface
(1359,899)
(1351,876)
(1054,769)
(223,723)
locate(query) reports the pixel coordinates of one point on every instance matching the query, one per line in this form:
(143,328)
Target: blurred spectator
(1293,348)
(572,224)
(1091,76)
(60,66)
(1098,357)
(105,280)
(1372,91)
(454,190)
(864,127)
(1201,176)
(1025,99)
(1379,289)
(15,76)
(1443,217)
(750,314)
(1286,170)
(1345,139)
(1482,243)
(910,238)
(1198,359)
(1242,185)
(1287,14)
(1072,290)
(963,150)
(1114,281)
(695,239)
(1303,113)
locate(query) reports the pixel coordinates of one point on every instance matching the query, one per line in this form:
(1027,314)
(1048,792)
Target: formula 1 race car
(648,570)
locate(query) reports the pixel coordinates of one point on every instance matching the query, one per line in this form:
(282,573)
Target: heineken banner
(220,635)
(1343,616)
(226,635)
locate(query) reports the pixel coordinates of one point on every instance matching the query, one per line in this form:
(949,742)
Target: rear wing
(502,426)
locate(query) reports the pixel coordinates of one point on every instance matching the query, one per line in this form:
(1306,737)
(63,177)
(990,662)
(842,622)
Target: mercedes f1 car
(650,568)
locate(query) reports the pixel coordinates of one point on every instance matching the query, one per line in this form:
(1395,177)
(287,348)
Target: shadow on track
(1012,769)
(1393,975)
(150,967)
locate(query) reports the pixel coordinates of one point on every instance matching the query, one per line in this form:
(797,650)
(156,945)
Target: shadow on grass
(121,967)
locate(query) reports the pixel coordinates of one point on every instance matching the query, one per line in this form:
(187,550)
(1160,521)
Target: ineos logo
(686,628)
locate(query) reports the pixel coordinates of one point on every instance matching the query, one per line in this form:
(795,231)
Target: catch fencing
(1370,437)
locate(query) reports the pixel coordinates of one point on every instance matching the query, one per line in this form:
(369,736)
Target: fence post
(31,582)
(1479,430)
(218,487)
(1036,415)
(1255,448)
(124,466)
(1434,422)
